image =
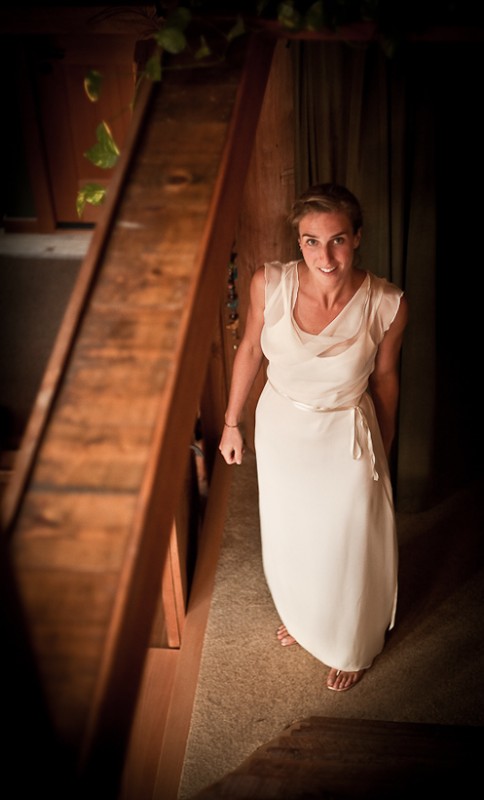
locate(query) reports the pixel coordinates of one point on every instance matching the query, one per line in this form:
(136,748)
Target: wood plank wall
(262,230)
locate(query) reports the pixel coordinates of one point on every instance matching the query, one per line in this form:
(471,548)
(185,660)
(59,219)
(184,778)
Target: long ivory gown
(329,546)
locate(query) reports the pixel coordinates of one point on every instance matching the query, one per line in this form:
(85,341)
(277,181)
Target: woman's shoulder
(388,301)
(383,286)
(276,270)
(281,266)
(274,277)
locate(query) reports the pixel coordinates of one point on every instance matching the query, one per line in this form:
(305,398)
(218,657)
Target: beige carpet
(251,689)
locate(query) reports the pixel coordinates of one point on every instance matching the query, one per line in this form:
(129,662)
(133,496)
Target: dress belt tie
(358,415)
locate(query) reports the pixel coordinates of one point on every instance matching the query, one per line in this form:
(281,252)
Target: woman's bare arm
(247,363)
(384,380)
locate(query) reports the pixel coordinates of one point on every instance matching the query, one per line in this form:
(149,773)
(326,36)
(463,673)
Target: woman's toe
(285,638)
(340,681)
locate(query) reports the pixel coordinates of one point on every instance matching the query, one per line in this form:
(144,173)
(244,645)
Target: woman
(325,423)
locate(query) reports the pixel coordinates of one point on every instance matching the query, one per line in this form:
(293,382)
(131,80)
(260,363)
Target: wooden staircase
(323,758)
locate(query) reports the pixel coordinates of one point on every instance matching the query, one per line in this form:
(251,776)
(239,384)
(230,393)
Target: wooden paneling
(46,53)
(262,231)
(69,120)
(149,723)
(57,122)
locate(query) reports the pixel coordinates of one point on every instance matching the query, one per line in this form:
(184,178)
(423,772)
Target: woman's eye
(338,240)
(312,242)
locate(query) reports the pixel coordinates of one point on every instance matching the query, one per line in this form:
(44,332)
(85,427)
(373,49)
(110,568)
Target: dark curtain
(405,135)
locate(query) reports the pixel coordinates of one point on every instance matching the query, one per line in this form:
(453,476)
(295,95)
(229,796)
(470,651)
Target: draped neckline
(341,312)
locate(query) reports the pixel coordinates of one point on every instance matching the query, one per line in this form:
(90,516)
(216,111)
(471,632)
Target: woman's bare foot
(284,636)
(340,681)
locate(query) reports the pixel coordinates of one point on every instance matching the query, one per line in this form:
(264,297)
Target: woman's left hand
(232,445)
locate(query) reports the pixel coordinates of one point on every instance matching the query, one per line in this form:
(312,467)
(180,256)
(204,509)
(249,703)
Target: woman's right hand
(232,445)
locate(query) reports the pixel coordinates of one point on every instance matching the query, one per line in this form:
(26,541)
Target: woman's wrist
(228,425)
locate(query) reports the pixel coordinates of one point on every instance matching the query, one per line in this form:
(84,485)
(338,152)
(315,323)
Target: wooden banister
(100,476)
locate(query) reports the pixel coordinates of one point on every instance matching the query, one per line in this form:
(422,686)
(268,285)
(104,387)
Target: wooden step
(321,758)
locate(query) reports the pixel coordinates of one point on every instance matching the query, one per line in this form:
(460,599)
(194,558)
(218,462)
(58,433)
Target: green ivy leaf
(288,15)
(315,17)
(172,40)
(105,153)
(204,50)
(92,85)
(91,193)
(153,67)
(237,30)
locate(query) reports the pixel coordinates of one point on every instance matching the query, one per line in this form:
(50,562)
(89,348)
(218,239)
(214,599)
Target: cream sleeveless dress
(328,533)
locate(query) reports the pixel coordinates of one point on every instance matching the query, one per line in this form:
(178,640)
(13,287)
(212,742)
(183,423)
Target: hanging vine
(203,30)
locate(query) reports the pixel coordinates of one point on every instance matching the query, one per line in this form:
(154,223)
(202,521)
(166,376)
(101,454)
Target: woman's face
(328,244)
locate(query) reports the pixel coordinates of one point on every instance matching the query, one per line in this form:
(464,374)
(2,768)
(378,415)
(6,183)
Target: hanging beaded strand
(233,301)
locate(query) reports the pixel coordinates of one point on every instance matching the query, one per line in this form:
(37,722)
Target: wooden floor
(322,758)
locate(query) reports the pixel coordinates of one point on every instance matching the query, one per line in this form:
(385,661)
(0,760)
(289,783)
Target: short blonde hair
(326,198)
